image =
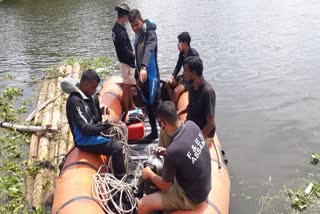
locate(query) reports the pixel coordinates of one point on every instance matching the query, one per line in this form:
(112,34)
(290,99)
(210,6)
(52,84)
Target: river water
(261,56)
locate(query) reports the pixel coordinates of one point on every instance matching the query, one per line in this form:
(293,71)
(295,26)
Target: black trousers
(151,111)
(113,149)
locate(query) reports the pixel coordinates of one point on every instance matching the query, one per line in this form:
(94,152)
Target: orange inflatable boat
(73,193)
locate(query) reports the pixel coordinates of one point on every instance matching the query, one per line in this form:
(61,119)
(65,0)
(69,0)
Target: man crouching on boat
(84,117)
(186,156)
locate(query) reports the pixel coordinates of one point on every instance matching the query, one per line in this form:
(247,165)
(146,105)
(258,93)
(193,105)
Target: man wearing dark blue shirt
(125,56)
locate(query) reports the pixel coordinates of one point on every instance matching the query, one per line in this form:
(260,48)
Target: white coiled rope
(104,189)
(105,186)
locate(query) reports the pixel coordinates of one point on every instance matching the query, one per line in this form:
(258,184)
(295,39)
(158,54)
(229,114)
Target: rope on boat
(113,195)
(116,195)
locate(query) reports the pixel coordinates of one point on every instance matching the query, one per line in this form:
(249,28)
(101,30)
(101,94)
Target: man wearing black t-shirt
(176,81)
(202,98)
(125,55)
(186,156)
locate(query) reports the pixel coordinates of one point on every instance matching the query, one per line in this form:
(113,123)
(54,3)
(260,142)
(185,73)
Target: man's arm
(147,173)
(183,110)
(150,45)
(210,104)
(76,110)
(209,125)
(178,65)
(122,47)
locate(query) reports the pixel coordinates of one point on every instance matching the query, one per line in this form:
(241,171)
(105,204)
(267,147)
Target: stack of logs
(48,149)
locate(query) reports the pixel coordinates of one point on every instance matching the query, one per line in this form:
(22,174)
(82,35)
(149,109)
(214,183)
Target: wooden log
(42,98)
(42,106)
(24,128)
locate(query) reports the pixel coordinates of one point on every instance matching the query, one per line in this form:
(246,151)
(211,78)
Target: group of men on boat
(186,178)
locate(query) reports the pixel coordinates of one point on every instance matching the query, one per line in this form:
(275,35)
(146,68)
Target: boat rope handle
(215,148)
(73,200)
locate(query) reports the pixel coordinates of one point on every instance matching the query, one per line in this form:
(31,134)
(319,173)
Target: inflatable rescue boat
(73,191)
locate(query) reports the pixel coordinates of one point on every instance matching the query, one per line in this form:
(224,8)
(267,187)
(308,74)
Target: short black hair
(121,13)
(89,74)
(134,14)
(194,63)
(168,112)
(184,37)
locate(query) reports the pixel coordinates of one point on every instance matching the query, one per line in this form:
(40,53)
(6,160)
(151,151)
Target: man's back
(122,45)
(188,159)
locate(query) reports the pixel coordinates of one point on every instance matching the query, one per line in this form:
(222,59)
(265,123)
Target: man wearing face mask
(187,155)
(176,81)
(147,72)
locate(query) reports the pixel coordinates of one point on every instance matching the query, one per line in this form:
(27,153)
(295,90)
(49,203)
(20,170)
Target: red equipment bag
(135,124)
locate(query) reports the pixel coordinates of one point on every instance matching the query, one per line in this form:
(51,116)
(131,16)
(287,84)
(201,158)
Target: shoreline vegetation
(28,170)
(32,148)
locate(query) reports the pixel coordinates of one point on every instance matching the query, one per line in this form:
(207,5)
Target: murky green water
(262,56)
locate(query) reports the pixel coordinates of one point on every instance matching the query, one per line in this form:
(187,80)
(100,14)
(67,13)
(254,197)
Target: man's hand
(138,84)
(170,79)
(104,110)
(147,173)
(143,75)
(160,150)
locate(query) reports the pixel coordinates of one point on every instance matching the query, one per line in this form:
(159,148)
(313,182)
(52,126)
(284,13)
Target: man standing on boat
(84,117)
(176,81)
(186,156)
(125,56)
(147,72)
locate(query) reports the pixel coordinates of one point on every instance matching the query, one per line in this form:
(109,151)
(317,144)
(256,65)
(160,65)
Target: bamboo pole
(53,144)
(56,119)
(43,151)
(68,70)
(42,106)
(42,98)
(29,180)
(70,142)
(24,128)
(63,138)
(47,119)
(75,70)
(61,69)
